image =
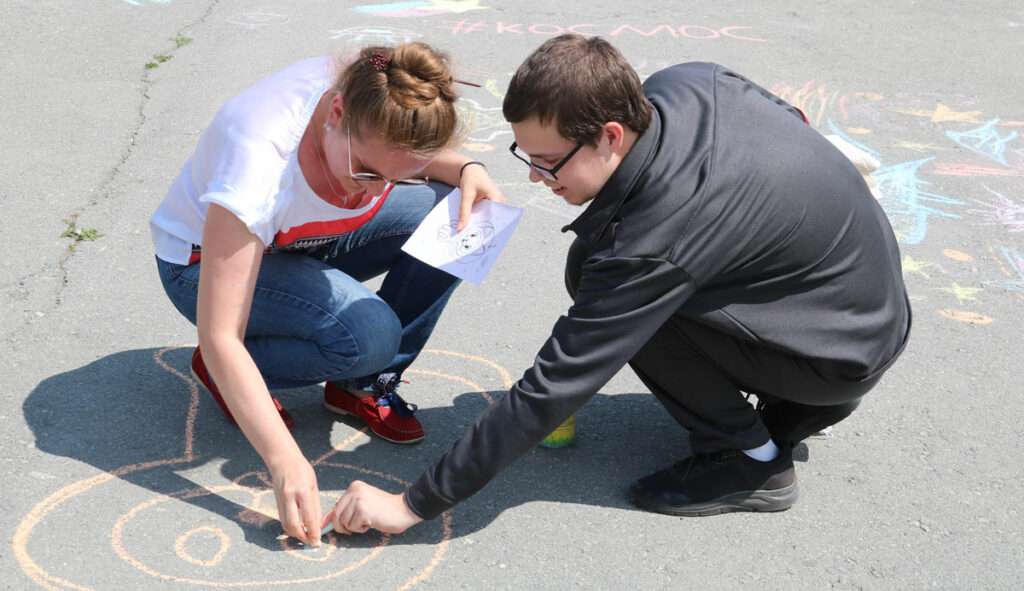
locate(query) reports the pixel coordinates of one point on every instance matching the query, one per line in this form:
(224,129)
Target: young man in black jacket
(727,248)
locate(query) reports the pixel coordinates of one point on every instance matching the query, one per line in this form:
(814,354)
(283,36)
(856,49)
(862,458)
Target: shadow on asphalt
(123,412)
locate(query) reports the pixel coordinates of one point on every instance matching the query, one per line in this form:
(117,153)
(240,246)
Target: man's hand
(363,507)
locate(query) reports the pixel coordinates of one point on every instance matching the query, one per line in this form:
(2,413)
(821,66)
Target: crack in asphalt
(104,187)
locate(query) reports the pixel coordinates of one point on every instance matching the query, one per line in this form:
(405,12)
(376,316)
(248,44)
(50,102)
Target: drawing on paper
(469,244)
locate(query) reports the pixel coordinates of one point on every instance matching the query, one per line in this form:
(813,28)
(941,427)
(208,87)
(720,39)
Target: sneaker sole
(343,412)
(758,501)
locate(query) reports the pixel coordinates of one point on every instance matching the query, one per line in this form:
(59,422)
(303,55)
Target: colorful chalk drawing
(200,538)
(908,206)
(985,141)
(916,267)
(943,114)
(966,317)
(1012,265)
(962,293)
(1002,211)
(419,8)
(257,19)
(957,255)
(485,124)
(676,31)
(925,179)
(375,35)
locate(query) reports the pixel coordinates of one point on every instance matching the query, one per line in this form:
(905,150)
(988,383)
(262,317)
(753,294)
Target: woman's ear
(336,111)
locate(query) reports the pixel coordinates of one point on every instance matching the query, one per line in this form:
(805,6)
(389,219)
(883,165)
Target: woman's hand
(362,507)
(475,184)
(298,499)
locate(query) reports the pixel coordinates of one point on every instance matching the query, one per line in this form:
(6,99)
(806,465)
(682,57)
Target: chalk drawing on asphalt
(942,114)
(906,203)
(915,267)
(1012,265)
(985,141)
(256,19)
(375,35)
(201,537)
(962,293)
(965,316)
(419,8)
(1000,211)
(486,124)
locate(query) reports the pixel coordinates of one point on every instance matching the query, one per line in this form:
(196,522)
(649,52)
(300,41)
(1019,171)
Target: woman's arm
(227,280)
(475,184)
(446,167)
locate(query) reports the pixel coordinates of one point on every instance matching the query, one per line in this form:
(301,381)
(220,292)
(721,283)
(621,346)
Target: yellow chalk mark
(912,265)
(957,255)
(181,544)
(858,130)
(962,293)
(492,87)
(919,147)
(943,114)
(966,317)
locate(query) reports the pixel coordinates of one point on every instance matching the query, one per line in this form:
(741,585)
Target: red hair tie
(380,62)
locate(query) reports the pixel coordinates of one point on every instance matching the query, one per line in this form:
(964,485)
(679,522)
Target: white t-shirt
(247,162)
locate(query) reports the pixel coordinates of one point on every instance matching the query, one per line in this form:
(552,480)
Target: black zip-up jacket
(728,210)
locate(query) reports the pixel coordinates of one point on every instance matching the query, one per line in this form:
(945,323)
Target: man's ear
(614,133)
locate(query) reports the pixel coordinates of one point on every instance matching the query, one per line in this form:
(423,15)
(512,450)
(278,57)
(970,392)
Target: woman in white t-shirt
(303,186)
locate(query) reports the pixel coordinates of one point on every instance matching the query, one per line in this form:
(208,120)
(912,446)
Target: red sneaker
(203,377)
(384,411)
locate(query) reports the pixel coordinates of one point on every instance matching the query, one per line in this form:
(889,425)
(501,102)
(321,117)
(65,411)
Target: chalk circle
(39,575)
(478,147)
(292,549)
(966,317)
(957,255)
(181,546)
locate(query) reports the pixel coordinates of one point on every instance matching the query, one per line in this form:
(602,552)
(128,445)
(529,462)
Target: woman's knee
(372,333)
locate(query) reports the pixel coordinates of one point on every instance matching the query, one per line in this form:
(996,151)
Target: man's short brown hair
(580,82)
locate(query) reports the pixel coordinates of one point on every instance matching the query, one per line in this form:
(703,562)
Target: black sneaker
(720,482)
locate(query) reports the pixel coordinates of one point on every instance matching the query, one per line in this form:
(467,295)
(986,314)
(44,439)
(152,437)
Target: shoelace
(699,463)
(386,394)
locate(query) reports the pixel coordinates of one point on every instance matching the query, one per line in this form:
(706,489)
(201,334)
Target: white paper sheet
(469,254)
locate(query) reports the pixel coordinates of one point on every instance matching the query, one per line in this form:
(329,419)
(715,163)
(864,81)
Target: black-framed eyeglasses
(366,178)
(548,173)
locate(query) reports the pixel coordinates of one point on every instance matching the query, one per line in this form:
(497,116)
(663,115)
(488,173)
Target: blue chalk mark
(985,141)
(908,206)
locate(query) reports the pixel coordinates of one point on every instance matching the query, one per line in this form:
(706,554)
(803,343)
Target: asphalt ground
(119,474)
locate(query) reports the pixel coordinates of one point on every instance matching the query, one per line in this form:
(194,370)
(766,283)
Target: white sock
(765,453)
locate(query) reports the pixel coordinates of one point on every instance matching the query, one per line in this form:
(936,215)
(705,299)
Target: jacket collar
(592,223)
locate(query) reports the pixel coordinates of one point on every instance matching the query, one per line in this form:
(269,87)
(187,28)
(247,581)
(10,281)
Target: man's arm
(620,304)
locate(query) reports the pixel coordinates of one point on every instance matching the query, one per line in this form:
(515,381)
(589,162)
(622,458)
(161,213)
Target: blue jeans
(312,320)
